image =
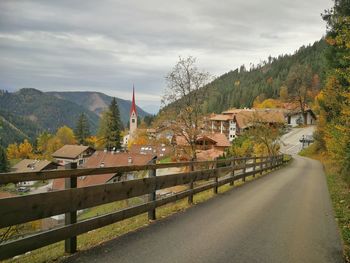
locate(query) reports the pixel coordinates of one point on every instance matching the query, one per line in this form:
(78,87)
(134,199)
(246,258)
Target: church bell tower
(133,114)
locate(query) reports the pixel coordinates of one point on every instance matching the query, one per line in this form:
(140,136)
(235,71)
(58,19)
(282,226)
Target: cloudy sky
(108,46)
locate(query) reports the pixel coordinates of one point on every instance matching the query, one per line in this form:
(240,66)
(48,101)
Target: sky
(109,46)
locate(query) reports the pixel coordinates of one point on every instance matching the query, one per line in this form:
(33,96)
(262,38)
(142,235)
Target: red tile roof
(30,165)
(246,119)
(158,150)
(219,139)
(70,151)
(220,117)
(105,159)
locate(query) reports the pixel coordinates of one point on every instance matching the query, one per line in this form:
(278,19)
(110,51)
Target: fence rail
(22,209)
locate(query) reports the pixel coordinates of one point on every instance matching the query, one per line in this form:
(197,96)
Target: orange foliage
(268,103)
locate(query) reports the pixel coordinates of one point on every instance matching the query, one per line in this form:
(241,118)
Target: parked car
(22,189)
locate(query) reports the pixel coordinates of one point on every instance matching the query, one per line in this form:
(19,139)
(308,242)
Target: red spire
(133,105)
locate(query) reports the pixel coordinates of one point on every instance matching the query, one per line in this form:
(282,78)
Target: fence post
(244,169)
(216,178)
(233,172)
(254,168)
(190,186)
(153,195)
(262,160)
(70,244)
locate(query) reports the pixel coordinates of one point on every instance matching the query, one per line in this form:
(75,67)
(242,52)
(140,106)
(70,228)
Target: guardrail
(22,209)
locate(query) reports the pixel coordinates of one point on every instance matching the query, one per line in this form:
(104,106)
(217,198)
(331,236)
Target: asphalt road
(285,216)
(290,143)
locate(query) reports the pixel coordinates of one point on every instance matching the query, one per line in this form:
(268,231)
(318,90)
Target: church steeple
(133,113)
(133,105)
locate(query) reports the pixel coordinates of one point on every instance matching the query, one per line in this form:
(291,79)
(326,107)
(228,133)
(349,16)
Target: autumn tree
(265,136)
(12,151)
(43,141)
(65,135)
(183,89)
(299,81)
(242,146)
(25,150)
(284,93)
(334,100)
(4,163)
(268,103)
(82,129)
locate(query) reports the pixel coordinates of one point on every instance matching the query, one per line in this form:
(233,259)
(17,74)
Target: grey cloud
(109,45)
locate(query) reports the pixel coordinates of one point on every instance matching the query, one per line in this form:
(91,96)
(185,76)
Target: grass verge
(339,192)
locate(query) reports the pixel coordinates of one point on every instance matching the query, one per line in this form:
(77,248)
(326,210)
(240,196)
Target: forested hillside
(98,102)
(239,88)
(28,112)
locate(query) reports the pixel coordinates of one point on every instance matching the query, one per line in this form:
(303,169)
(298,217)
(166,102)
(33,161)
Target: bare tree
(266,133)
(183,93)
(299,82)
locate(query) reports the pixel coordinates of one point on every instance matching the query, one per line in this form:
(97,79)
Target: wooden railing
(22,209)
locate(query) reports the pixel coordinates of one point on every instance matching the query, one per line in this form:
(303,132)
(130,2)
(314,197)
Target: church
(132,121)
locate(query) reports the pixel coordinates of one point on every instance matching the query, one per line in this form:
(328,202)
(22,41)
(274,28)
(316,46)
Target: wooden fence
(22,209)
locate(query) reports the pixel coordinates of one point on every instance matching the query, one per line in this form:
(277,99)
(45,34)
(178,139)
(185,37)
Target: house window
(133,120)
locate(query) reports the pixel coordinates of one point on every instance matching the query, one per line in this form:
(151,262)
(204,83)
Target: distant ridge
(28,112)
(97,102)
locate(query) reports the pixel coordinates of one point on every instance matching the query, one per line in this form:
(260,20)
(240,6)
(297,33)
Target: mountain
(239,88)
(26,113)
(97,102)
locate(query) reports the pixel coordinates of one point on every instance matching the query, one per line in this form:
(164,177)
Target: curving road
(285,216)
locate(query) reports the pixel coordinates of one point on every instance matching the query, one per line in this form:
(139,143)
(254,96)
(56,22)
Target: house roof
(246,119)
(220,139)
(104,159)
(30,165)
(220,117)
(233,111)
(70,151)
(151,149)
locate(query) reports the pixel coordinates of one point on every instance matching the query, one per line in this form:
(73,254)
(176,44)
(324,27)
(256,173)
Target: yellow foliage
(12,151)
(25,150)
(92,141)
(66,135)
(268,103)
(284,93)
(260,149)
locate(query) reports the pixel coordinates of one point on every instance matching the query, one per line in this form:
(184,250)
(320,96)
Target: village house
(73,154)
(232,123)
(161,151)
(30,165)
(214,143)
(294,116)
(107,159)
